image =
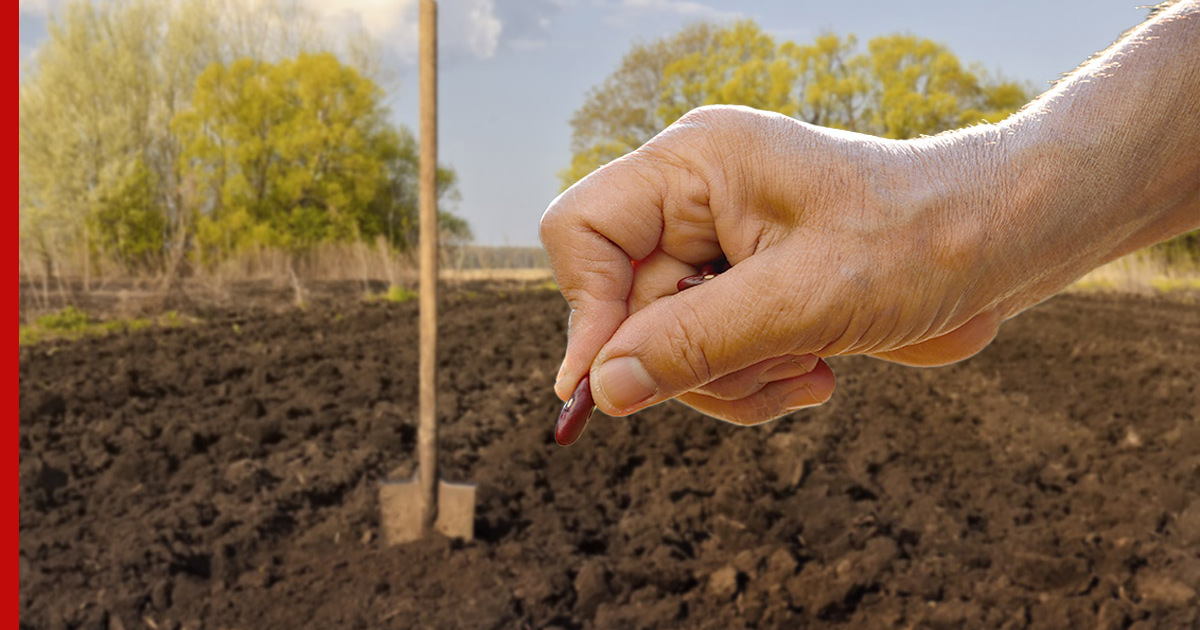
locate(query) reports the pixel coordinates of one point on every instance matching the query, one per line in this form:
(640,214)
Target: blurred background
(218,343)
(234,139)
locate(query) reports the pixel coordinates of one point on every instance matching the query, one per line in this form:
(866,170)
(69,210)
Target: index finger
(592,233)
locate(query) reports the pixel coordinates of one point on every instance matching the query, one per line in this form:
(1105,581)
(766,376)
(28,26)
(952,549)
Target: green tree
(95,113)
(101,176)
(295,153)
(622,113)
(831,88)
(739,64)
(127,224)
(919,87)
(85,123)
(395,213)
(901,86)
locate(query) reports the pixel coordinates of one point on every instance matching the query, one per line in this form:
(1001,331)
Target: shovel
(411,508)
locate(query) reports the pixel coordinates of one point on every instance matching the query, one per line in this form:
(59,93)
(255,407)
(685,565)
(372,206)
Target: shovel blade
(456,510)
(402,509)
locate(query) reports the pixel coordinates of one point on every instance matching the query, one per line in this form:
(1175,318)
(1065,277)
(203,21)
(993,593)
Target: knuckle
(712,143)
(717,392)
(643,171)
(581,293)
(701,117)
(721,391)
(552,221)
(714,115)
(703,126)
(546,230)
(724,124)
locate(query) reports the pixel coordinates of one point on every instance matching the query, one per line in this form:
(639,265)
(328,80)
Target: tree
(739,64)
(295,153)
(102,181)
(95,116)
(126,223)
(395,212)
(622,113)
(831,87)
(901,86)
(85,123)
(919,88)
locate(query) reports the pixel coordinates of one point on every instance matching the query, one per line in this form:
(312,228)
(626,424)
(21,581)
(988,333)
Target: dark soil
(224,476)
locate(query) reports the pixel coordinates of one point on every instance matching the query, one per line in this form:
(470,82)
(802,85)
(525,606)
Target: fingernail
(807,362)
(800,398)
(797,366)
(624,383)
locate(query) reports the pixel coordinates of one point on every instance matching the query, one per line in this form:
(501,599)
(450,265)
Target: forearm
(1106,162)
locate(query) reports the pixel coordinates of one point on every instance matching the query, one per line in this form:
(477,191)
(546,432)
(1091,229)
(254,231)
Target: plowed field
(223,475)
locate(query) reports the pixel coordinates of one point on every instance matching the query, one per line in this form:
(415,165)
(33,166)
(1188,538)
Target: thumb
(684,341)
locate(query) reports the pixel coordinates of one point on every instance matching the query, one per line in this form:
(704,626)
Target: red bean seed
(575,413)
(573,418)
(689,282)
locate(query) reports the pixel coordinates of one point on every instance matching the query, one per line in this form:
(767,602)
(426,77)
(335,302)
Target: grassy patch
(72,324)
(1164,284)
(396,294)
(1146,272)
(1090,284)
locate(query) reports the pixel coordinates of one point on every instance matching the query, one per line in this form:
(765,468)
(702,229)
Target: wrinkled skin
(910,251)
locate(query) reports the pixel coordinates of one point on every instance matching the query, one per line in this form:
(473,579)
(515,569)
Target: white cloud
(465,27)
(379,18)
(528,23)
(31,6)
(393,23)
(40,8)
(482,28)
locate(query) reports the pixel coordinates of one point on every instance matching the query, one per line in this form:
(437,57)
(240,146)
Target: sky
(513,71)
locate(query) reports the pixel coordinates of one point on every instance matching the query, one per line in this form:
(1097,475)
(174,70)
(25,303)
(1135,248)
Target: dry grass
(49,283)
(1145,272)
(374,263)
(328,272)
(496,275)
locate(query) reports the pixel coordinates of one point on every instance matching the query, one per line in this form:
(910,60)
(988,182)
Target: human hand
(839,243)
(912,251)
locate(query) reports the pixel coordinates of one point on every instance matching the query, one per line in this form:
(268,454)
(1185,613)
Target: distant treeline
(165,138)
(484,257)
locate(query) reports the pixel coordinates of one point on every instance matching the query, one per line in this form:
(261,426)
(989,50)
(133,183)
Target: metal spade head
(403,510)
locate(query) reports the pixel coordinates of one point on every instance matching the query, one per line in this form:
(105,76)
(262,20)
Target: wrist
(1036,207)
(954,179)
(1071,197)
(1104,163)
